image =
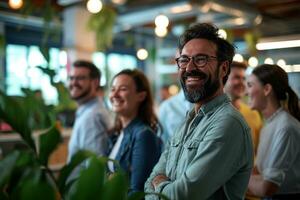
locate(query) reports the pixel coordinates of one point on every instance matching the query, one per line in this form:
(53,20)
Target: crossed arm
(215,161)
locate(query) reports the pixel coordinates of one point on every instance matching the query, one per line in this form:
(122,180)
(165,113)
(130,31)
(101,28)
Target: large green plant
(102,24)
(26,174)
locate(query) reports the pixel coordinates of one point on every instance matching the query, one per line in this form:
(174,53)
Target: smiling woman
(276,173)
(134,142)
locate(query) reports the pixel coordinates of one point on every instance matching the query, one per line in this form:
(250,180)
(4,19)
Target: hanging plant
(102,24)
(49,12)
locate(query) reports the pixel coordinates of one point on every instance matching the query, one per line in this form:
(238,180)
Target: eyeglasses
(78,78)
(199,60)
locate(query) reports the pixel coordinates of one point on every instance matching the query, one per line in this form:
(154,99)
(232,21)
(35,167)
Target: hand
(158,179)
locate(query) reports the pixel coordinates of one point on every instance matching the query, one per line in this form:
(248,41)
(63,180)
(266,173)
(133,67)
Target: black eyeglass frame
(204,57)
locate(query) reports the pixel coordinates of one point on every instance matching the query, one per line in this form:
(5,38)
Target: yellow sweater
(254,121)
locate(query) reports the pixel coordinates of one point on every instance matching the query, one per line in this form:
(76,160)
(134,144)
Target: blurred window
(22,71)
(114,62)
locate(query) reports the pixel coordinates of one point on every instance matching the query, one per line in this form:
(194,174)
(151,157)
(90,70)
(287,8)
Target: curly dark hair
(225,50)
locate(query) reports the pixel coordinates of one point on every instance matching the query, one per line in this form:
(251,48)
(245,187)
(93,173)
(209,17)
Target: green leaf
(118,182)
(3,196)
(79,157)
(6,167)
(15,115)
(90,182)
(50,72)
(40,116)
(41,190)
(137,196)
(45,52)
(22,169)
(102,23)
(64,98)
(48,143)
(35,186)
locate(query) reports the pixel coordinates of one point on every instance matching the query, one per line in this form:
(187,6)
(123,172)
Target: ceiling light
(161,31)
(278,45)
(222,33)
(291,68)
(142,54)
(118,2)
(253,62)
(258,19)
(239,21)
(238,58)
(281,62)
(15,4)
(94,6)
(161,21)
(269,61)
(181,9)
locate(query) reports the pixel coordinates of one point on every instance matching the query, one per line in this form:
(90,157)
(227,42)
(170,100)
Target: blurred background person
(276,174)
(137,148)
(164,93)
(101,94)
(236,87)
(92,118)
(172,113)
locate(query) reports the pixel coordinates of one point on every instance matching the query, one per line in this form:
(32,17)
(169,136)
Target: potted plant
(25,174)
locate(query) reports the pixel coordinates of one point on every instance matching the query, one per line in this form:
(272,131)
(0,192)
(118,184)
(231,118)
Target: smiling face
(81,86)
(235,85)
(200,84)
(256,93)
(124,97)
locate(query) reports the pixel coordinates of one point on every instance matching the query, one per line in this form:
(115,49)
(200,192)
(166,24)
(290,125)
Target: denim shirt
(209,157)
(139,152)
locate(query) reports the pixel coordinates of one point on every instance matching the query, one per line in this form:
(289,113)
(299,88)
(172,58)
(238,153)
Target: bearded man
(211,155)
(92,118)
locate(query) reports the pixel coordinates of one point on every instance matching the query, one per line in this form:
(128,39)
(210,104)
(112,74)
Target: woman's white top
(114,152)
(278,157)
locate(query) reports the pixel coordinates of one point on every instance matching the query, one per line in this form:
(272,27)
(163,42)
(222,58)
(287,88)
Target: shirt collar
(132,124)
(211,105)
(274,114)
(86,105)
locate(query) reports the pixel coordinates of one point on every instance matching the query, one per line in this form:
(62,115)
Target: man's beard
(84,93)
(206,91)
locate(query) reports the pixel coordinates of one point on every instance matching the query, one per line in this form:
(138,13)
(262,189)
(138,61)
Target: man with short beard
(92,118)
(211,155)
(235,88)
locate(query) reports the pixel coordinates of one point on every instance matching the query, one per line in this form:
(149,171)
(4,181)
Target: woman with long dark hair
(137,148)
(276,174)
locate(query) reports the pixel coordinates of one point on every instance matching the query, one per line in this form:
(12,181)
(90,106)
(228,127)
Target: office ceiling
(268,17)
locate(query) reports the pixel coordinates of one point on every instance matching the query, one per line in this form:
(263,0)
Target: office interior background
(118,34)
